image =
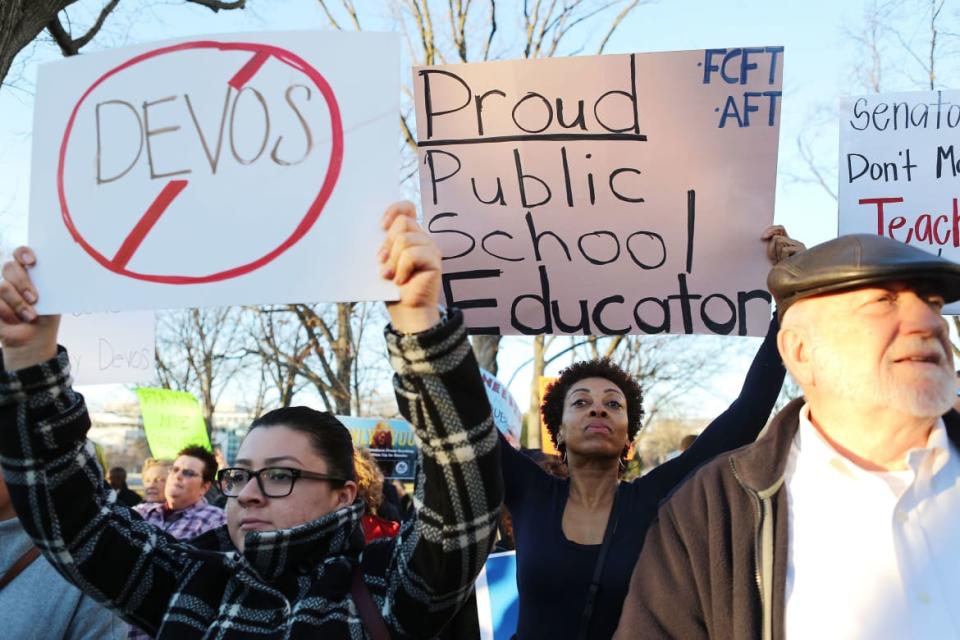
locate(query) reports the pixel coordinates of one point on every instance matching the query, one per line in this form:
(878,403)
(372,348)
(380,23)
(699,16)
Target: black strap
(22,563)
(367,608)
(598,569)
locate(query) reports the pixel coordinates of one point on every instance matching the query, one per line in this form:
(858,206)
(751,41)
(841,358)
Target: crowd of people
(835,519)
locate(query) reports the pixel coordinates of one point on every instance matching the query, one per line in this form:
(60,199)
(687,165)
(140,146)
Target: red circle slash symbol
(261,53)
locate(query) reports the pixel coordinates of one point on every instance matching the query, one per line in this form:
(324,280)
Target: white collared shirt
(872,554)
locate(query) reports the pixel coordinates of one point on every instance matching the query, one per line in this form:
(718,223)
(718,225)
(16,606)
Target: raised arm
(440,391)
(743,420)
(54,479)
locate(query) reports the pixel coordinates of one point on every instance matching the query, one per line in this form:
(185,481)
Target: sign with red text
(603,194)
(900,170)
(226,170)
(109,348)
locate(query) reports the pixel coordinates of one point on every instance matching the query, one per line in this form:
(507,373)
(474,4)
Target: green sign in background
(172,420)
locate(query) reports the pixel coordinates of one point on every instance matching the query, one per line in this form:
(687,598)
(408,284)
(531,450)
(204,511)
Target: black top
(553,573)
(129,497)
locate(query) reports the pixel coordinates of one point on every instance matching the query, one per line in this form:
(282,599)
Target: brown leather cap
(859,260)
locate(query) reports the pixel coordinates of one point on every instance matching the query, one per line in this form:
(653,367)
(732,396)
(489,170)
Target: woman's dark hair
(551,409)
(328,436)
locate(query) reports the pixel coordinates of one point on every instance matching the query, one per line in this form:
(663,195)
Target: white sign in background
(108,348)
(249,168)
(603,194)
(900,170)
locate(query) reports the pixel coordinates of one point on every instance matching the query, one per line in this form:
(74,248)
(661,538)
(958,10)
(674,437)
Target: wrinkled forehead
(848,298)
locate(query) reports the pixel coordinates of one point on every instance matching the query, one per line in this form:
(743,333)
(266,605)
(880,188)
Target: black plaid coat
(290,583)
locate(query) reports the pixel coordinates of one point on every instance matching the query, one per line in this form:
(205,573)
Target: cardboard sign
(504,409)
(899,169)
(604,194)
(390,442)
(498,602)
(107,348)
(235,169)
(172,420)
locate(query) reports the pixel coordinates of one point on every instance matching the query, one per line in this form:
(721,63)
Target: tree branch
(217,5)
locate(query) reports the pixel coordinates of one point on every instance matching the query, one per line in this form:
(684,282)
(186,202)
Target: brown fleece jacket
(701,572)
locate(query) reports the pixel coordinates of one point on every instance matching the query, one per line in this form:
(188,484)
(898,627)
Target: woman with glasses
(291,560)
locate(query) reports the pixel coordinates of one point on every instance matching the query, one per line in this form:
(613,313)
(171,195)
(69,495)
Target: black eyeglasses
(274,482)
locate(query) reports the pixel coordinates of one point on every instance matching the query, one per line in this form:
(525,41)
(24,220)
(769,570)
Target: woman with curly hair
(578,538)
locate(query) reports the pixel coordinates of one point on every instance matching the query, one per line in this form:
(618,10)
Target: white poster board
(235,169)
(603,194)
(107,348)
(899,168)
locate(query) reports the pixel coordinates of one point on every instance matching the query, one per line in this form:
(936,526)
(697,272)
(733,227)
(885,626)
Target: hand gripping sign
(212,172)
(603,195)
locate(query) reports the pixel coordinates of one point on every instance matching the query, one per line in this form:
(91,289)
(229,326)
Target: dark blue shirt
(554,574)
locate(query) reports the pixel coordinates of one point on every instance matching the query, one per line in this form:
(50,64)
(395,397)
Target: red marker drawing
(135,237)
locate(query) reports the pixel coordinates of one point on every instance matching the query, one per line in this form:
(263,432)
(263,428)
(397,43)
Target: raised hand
(780,246)
(410,259)
(27,338)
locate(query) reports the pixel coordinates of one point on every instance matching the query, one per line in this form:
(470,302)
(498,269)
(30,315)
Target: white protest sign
(504,409)
(899,169)
(107,348)
(603,194)
(247,168)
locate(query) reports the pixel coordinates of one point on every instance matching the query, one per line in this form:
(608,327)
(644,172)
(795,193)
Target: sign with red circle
(228,170)
(260,53)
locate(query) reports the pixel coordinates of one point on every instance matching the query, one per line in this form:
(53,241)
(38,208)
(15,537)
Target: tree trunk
(533,415)
(20,22)
(486,348)
(345,355)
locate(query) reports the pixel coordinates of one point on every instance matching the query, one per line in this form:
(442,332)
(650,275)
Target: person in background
(213,495)
(118,482)
(154,474)
(36,603)
(184,512)
(687,441)
(370,490)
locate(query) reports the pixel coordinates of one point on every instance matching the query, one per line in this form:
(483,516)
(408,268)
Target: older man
(842,520)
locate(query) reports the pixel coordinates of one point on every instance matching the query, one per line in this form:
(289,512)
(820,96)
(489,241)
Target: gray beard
(930,395)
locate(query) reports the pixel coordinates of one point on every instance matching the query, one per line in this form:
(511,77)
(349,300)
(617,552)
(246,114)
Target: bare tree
(450,31)
(201,351)
(904,45)
(22,21)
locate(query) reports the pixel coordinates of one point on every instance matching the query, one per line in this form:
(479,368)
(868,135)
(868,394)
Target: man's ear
(794,347)
(346,494)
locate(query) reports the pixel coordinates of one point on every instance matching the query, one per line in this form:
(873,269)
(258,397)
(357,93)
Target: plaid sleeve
(459,486)
(59,493)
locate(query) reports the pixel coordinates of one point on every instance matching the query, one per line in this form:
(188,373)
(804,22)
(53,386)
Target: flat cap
(855,261)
